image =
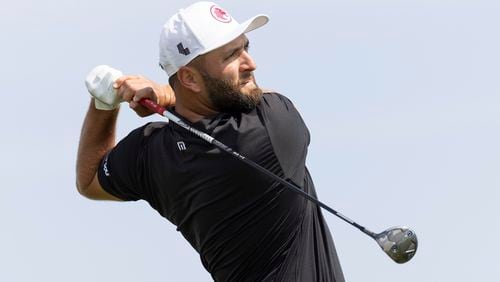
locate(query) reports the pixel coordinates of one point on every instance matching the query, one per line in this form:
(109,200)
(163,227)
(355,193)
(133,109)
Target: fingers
(129,87)
(139,109)
(146,92)
(118,83)
(133,88)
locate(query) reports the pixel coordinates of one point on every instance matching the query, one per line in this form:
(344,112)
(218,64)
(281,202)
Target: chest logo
(181,145)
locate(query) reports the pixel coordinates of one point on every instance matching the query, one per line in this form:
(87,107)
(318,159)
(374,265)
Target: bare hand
(133,88)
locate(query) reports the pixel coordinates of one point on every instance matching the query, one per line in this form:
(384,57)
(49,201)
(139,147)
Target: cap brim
(255,23)
(247,26)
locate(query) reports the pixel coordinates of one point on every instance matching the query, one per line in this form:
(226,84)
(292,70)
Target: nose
(247,63)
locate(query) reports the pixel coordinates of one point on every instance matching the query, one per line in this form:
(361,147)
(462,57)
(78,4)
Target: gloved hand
(99,83)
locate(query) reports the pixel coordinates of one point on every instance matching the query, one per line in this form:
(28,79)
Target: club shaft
(162,111)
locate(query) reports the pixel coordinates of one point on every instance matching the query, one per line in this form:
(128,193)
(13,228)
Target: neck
(189,106)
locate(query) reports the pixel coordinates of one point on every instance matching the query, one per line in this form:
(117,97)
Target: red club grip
(152,106)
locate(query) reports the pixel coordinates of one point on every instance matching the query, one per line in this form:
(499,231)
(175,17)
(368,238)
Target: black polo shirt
(244,225)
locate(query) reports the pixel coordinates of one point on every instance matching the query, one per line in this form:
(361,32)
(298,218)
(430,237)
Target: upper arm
(123,172)
(95,191)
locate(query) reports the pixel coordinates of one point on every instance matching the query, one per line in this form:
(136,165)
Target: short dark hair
(172,80)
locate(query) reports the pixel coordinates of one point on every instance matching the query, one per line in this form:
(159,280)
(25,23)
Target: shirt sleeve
(120,170)
(288,133)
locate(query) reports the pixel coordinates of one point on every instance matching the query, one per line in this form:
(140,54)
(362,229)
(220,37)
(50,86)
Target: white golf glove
(99,82)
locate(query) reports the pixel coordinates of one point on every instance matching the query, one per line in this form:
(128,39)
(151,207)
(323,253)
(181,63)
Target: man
(244,225)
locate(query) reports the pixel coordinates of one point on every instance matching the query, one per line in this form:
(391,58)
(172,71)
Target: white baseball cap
(199,29)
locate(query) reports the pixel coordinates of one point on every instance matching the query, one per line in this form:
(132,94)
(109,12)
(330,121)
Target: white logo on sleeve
(181,145)
(105,167)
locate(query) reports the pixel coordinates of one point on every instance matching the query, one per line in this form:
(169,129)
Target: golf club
(399,243)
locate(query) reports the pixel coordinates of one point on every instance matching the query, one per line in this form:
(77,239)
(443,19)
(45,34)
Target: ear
(190,78)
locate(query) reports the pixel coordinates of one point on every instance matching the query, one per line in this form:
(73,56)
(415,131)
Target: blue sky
(402,99)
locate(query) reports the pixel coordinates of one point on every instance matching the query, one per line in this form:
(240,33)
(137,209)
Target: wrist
(104,108)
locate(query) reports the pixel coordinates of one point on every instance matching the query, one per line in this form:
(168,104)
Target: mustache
(247,75)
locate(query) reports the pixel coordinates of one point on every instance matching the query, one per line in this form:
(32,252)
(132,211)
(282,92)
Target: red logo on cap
(219,14)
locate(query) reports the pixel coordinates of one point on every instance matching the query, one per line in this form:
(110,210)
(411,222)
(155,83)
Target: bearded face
(241,97)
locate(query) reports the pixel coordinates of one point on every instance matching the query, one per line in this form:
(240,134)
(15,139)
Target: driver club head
(399,243)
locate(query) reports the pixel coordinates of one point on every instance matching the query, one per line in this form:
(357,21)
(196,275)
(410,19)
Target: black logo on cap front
(182,50)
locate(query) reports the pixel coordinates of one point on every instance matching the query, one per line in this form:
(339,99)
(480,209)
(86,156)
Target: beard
(227,97)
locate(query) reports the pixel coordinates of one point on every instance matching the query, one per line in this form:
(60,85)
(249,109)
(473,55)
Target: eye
(237,52)
(231,55)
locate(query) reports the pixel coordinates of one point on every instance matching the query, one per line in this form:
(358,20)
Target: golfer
(244,225)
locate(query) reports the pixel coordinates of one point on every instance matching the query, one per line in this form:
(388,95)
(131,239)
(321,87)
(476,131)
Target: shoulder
(153,127)
(274,95)
(147,130)
(276,101)
(140,136)
(278,111)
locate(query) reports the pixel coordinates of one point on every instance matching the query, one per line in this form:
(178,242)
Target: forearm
(96,139)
